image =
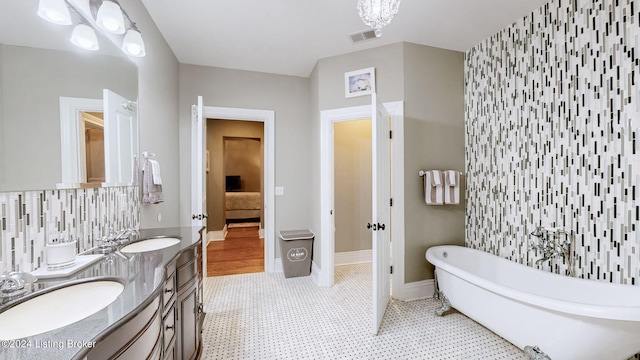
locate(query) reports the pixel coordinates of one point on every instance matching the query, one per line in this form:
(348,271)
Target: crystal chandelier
(377,13)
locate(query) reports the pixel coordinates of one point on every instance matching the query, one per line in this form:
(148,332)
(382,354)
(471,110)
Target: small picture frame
(360,82)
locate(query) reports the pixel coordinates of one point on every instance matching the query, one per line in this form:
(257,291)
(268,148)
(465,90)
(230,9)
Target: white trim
(352,257)
(396,110)
(217,235)
(327,248)
(316,273)
(268,118)
(419,290)
(278,265)
(71,148)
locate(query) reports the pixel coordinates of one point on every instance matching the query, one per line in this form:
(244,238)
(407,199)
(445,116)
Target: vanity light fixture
(132,44)
(84,37)
(55,11)
(377,13)
(109,17)
(105,16)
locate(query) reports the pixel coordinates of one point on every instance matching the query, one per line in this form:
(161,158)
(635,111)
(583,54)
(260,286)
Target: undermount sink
(58,308)
(150,245)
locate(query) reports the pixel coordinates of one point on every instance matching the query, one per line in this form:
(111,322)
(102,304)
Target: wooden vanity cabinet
(169,328)
(169,314)
(188,325)
(139,338)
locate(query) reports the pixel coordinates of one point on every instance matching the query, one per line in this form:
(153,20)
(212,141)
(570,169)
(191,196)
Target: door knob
(380,226)
(372,227)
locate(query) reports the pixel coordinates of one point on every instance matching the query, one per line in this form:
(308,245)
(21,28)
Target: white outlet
(279,190)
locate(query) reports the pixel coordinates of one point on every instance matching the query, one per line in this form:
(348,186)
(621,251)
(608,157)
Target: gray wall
(352,179)
(328,82)
(431,83)
(288,96)
(434,139)
(158,117)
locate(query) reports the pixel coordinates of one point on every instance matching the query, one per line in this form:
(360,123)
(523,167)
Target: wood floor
(241,252)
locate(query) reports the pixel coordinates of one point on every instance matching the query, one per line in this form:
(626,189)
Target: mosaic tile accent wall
(31,219)
(552,126)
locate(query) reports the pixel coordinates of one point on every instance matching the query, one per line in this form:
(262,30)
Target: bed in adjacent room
(242,206)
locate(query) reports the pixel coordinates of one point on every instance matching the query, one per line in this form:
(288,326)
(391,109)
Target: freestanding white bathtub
(566,318)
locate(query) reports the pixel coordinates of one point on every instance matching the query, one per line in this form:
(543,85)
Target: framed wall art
(360,82)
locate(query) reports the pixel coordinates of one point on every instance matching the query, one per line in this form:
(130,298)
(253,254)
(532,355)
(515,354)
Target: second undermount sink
(58,308)
(150,245)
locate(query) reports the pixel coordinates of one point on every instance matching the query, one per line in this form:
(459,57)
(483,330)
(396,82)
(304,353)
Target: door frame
(268,118)
(326,275)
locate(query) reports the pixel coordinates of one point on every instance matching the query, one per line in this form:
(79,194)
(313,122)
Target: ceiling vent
(363,36)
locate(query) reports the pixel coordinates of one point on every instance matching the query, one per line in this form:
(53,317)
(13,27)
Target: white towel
(155,171)
(151,193)
(433,189)
(452,187)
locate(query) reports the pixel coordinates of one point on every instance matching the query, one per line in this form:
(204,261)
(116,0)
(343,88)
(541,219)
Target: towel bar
(424,172)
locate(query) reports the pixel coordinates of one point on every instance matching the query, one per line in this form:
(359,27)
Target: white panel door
(120,138)
(381,211)
(198,165)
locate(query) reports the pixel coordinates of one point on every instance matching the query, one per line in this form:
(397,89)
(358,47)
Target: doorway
(234,177)
(267,118)
(352,186)
(387,198)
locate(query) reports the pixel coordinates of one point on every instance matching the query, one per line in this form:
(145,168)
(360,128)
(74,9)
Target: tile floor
(265,316)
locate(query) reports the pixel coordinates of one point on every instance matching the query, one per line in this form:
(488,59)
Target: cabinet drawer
(171,269)
(186,272)
(169,291)
(136,339)
(169,328)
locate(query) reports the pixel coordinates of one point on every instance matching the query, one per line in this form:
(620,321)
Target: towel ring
(147,154)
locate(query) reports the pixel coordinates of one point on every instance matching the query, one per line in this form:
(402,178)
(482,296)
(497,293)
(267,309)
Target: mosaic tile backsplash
(552,126)
(31,219)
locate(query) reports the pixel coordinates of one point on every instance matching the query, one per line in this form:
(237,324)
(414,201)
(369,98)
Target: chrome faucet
(124,236)
(551,247)
(13,283)
(113,239)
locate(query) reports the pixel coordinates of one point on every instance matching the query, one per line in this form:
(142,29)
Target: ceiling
(288,36)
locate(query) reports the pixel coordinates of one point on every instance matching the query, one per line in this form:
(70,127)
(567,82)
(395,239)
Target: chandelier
(377,13)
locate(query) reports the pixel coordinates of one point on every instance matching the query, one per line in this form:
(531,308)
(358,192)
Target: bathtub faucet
(553,243)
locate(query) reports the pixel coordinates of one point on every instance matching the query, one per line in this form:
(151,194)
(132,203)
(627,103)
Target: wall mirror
(38,67)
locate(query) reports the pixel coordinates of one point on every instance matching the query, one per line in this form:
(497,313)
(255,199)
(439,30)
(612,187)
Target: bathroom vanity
(158,315)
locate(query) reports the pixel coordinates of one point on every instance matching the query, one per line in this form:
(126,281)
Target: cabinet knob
(168,327)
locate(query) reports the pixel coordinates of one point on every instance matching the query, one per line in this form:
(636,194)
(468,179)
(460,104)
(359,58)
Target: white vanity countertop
(143,275)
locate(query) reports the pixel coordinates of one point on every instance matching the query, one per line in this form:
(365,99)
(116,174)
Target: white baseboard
(217,235)
(352,257)
(418,290)
(278,265)
(316,273)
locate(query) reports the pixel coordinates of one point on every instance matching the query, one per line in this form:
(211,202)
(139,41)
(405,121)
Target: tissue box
(60,254)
